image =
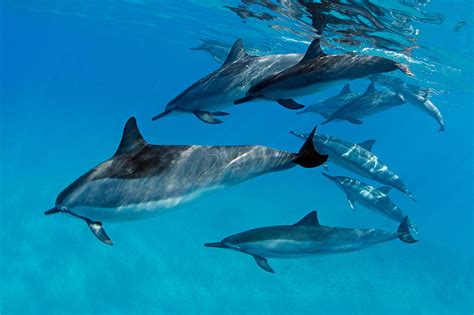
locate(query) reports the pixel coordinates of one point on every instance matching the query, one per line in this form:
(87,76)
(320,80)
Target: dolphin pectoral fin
(99,231)
(219,113)
(290,104)
(206,117)
(351,204)
(263,263)
(355,121)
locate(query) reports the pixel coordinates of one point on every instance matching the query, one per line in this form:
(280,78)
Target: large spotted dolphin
(219,89)
(307,238)
(142,180)
(357,158)
(315,72)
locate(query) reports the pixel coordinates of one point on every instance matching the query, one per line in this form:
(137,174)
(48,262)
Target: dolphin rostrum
(369,103)
(206,97)
(142,180)
(315,72)
(375,199)
(357,158)
(415,95)
(328,106)
(306,238)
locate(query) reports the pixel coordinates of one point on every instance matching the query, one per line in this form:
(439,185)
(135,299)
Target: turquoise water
(72,73)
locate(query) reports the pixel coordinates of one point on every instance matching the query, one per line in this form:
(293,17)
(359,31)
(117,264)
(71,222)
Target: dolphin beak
(216,245)
(329,176)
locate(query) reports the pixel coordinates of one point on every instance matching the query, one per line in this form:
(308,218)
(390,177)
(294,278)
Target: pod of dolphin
(142,180)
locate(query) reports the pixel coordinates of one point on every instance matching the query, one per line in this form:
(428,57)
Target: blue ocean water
(72,73)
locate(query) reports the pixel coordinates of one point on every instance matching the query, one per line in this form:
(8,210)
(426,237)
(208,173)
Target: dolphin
(307,238)
(415,95)
(315,72)
(357,158)
(375,199)
(369,103)
(328,106)
(217,49)
(206,97)
(142,180)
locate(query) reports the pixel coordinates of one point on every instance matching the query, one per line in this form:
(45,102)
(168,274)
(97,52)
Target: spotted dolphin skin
(415,95)
(328,106)
(375,199)
(142,180)
(208,96)
(367,104)
(316,72)
(307,238)
(357,158)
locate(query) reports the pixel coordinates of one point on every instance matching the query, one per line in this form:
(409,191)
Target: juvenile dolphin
(357,158)
(142,180)
(306,238)
(375,199)
(206,97)
(330,105)
(369,103)
(315,72)
(415,95)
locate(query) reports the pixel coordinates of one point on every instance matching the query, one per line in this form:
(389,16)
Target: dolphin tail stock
(163,114)
(308,157)
(405,69)
(404,231)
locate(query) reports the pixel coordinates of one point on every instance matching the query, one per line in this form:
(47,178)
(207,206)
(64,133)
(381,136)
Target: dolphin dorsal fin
(385,189)
(314,50)
(367,144)
(346,89)
(236,52)
(311,219)
(132,140)
(370,88)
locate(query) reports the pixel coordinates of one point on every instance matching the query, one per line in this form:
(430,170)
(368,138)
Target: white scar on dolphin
(142,180)
(307,238)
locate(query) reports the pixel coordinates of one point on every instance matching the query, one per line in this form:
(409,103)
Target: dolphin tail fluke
(441,128)
(52,211)
(99,232)
(308,157)
(263,263)
(216,245)
(404,68)
(163,114)
(404,231)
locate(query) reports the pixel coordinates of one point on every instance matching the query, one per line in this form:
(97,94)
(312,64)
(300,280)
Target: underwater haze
(73,72)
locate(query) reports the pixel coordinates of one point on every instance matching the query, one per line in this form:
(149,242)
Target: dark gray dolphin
(415,95)
(328,106)
(375,199)
(357,158)
(142,180)
(217,49)
(306,238)
(315,72)
(206,97)
(367,104)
